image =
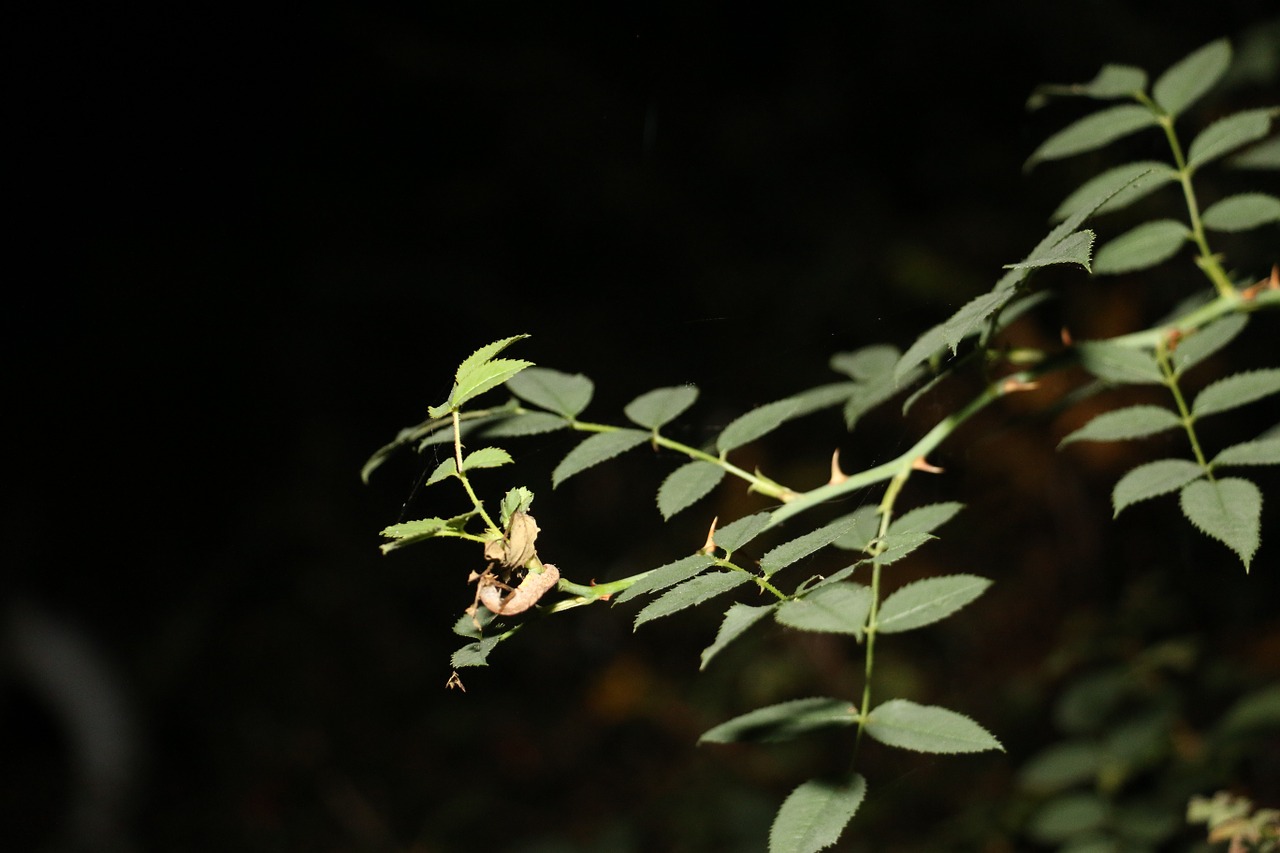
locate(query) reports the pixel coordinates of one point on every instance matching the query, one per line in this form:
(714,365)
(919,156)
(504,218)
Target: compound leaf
(1142,247)
(1242,212)
(659,407)
(686,485)
(1237,390)
(1119,364)
(1206,341)
(755,424)
(596,449)
(737,619)
(1153,479)
(927,601)
(1227,134)
(838,608)
(1092,132)
(667,575)
(1122,184)
(1260,451)
(1228,510)
(1127,423)
(690,593)
(802,546)
(478,373)
(927,728)
(1192,76)
(563,393)
(815,814)
(783,721)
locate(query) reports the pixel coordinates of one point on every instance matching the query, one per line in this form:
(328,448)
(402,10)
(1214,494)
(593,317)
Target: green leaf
(1193,75)
(737,619)
(969,319)
(840,608)
(596,449)
(1113,81)
(927,601)
(690,593)
(1242,212)
(527,423)
(1142,247)
(1228,510)
(868,363)
(802,546)
(563,393)
(1124,424)
(815,814)
(445,469)
(659,407)
(486,457)
(477,653)
(408,532)
(866,526)
(1151,480)
(865,398)
(927,728)
(925,519)
(924,347)
(1072,249)
(755,424)
(822,397)
(667,575)
(1237,390)
(1067,817)
(1257,710)
(1199,345)
(1264,155)
(783,721)
(478,374)
(686,485)
(1122,184)
(734,535)
(1261,451)
(1119,364)
(1061,766)
(515,500)
(1092,132)
(1227,134)
(899,545)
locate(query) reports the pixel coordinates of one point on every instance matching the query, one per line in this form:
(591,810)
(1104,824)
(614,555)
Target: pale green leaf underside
(927,601)
(783,721)
(690,593)
(734,535)
(1142,247)
(1124,424)
(1242,212)
(563,393)
(596,449)
(1153,479)
(1264,155)
(815,814)
(1113,81)
(686,485)
(667,575)
(1228,510)
(659,407)
(755,424)
(1203,343)
(1124,184)
(528,423)
(1227,134)
(925,519)
(840,608)
(1190,77)
(1237,390)
(802,546)
(1119,364)
(737,619)
(927,728)
(1092,132)
(1262,451)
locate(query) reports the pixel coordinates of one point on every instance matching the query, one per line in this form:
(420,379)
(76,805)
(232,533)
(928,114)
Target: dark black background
(252,243)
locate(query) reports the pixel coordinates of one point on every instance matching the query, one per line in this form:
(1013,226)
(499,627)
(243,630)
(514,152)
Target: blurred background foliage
(260,238)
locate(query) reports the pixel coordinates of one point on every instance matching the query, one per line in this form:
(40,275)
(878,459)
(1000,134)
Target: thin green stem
(1184,412)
